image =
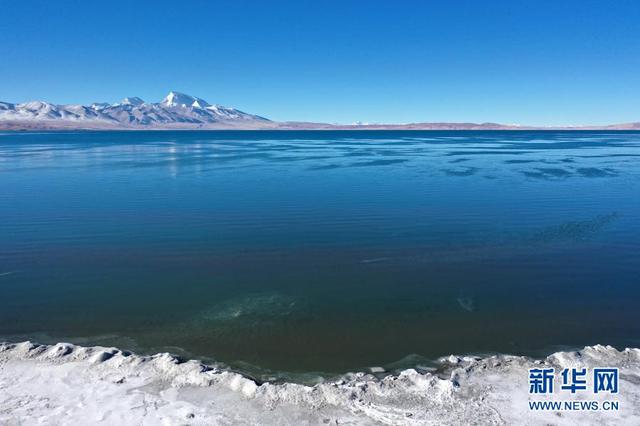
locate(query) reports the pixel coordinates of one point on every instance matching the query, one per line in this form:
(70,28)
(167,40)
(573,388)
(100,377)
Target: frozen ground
(68,384)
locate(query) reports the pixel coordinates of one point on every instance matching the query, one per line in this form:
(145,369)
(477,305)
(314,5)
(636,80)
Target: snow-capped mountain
(175,99)
(176,110)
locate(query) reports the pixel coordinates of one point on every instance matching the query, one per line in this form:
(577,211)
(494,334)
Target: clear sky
(528,62)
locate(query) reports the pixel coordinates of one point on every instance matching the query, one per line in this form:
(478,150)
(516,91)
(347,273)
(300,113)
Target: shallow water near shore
(321,252)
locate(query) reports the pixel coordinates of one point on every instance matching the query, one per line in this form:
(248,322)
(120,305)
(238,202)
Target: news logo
(574,381)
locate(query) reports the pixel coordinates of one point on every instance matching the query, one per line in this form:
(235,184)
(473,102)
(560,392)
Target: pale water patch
(466,303)
(252,307)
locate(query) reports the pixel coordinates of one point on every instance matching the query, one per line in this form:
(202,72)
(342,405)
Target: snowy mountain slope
(176,110)
(135,101)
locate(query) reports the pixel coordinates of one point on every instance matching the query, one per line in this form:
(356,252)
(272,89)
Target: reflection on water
(321,251)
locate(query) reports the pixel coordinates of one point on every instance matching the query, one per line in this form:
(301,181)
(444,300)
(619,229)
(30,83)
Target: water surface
(321,251)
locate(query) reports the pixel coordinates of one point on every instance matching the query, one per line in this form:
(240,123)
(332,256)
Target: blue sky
(528,62)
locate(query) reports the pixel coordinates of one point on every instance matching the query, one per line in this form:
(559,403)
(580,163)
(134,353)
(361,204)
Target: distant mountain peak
(134,100)
(177,99)
(99,105)
(36,105)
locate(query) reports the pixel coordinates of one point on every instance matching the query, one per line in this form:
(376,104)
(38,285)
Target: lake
(321,252)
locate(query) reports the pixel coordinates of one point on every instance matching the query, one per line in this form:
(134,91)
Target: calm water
(321,251)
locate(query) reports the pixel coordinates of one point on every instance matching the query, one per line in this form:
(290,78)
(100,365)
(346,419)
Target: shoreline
(66,383)
(337,128)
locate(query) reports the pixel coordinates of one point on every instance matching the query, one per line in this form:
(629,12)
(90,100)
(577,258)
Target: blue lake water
(321,251)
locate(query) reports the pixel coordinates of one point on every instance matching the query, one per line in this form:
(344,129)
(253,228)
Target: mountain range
(180,111)
(175,111)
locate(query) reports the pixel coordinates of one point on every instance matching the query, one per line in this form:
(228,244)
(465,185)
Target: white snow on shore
(69,384)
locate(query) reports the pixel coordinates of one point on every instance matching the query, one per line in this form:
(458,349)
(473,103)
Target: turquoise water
(321,251)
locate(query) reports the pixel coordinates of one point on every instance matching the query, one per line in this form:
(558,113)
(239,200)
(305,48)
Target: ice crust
(69,384)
